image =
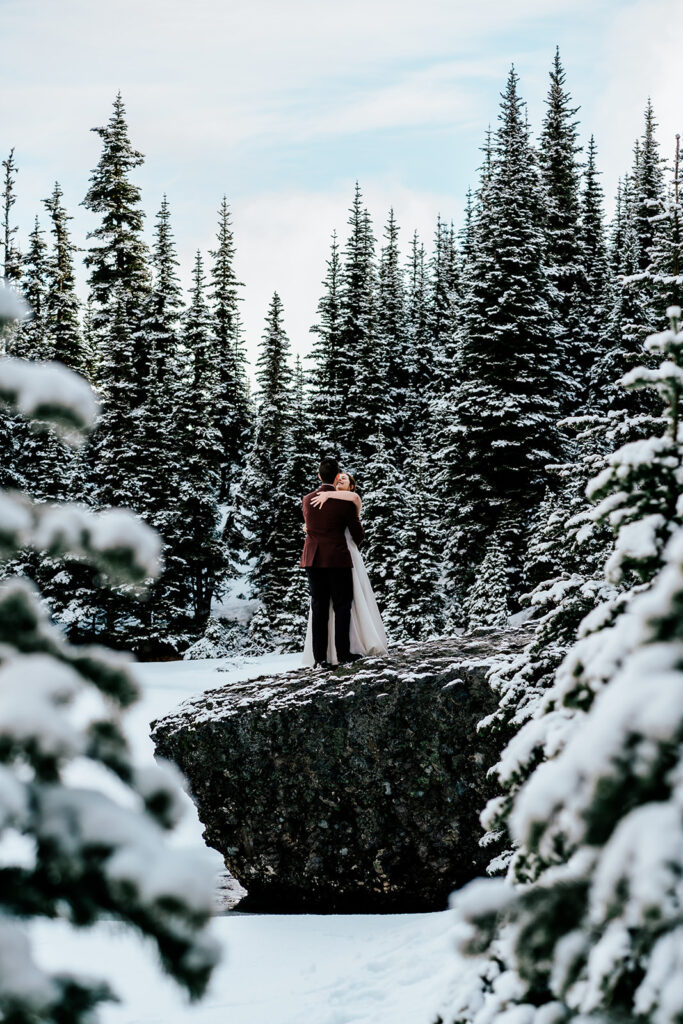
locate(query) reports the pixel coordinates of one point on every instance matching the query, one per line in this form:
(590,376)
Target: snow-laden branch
(12,305)
(116,540)
(48,392)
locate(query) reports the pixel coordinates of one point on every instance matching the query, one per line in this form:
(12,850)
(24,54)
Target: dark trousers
(334,585)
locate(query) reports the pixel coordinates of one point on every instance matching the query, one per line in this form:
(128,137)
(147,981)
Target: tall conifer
(363,360)
(269,446)
(392,337)
(63,308)
(329,376)
(30,337)
(198,543)
(558,151)
(232,411)
(505,404)
(120,256)
(11,255)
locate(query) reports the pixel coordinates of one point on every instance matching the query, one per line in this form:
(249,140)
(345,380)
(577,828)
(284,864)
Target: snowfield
(277,969)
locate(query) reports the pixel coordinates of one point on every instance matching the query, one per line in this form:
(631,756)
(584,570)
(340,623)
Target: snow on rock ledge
(358,790)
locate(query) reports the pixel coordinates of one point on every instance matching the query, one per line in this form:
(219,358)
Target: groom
(327,561)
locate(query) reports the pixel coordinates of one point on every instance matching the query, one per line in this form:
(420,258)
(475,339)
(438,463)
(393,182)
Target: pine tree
(444,284)
(158,471)
(330,375)
(232,411)
(664,272)
(53,332)
(11,427)
(363,360)
(285,596)
(198,543)
(596,263)
(63,320)
(419,348)
(486,600)
(414,608)
(120,258)
(558,150)
(162,308)
(392,338)
(500,425)
(382,497)
(595,935)
(12,261)
(648,180)
(30,337)
(96,853)
(272,433)
(116,441)
(596,750)
(635,307)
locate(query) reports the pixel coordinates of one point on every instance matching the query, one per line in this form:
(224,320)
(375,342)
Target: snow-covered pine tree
(486,602)
(414,605)
(501,429)
(198,543)
(382,495)
(331,373)
(664,272)
(577,957)
(262,514)
(597,934)
(159,472)
(598,279)
(11,428)
(30,337)
(94,855)
(90,342)
(363,359)
(444,281)
(54,332)
(120,258)
(163,308)
(636,307)
(114,454)
(233,407)
(285,599)
(419,349)
(63,308)
(11,255)
(648,192)
(116,439)
(557,153)
(392,339)
(593,550)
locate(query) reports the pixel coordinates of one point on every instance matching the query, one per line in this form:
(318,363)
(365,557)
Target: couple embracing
(344,623)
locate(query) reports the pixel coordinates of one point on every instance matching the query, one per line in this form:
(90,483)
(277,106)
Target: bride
(367,629)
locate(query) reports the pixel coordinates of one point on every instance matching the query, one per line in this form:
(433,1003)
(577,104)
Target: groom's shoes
(350,659)
(323,666)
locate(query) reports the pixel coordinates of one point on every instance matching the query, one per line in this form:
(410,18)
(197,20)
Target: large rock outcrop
(357,790)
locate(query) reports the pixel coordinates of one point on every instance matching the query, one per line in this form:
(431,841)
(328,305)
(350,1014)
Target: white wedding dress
(367,629)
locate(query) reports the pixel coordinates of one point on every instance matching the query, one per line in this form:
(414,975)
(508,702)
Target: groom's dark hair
(329,470)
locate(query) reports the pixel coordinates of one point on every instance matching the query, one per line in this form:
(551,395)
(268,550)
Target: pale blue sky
(282,104)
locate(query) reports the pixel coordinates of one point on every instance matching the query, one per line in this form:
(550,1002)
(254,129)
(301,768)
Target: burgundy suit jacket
(325,546)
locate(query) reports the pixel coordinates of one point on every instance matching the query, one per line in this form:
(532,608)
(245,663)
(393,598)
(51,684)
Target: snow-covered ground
(277,969)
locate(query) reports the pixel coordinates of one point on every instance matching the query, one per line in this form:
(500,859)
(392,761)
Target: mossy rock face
(352,791)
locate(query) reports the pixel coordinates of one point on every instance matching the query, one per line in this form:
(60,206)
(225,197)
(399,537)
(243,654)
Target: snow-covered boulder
(350,791)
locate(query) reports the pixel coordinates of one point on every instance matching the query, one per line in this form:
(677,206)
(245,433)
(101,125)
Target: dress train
(367,629)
